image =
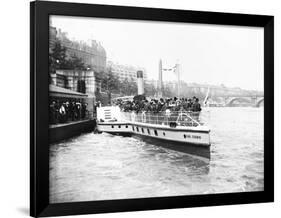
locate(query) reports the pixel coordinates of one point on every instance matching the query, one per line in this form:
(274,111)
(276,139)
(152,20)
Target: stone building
(125,71)
(78,81)
(52,37)
(92,53)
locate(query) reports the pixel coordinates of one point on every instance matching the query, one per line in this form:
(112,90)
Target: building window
(155,132)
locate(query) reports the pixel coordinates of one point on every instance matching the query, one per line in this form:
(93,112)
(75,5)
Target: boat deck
(180,127)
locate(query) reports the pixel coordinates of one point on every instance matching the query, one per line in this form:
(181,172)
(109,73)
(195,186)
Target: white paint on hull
(193,135)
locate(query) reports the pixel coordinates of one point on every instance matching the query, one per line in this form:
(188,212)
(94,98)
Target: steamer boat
(179,127)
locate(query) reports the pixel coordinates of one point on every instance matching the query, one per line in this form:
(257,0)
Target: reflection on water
(104,166)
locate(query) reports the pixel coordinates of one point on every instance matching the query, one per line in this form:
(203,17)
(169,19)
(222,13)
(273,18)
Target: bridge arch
(259,102)
(241,99)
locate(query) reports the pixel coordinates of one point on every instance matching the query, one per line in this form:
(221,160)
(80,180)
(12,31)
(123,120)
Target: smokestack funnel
(160,80)
(140,82)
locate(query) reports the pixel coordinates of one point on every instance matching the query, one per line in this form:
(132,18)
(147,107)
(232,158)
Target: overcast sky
(211,54)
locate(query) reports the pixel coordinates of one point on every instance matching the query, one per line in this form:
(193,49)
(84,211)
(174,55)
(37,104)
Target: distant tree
(109,81)
(128,87)
(124,88)
(100,76)
(98,95)
(133,87)
(89,67)
(168,92)
(113,83)
(76,63)
(58,57)
(150,89)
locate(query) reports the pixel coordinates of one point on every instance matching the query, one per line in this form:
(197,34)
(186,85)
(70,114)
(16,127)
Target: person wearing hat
(189,104)
(196,107)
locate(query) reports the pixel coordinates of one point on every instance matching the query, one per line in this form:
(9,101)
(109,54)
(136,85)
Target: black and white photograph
(142,109)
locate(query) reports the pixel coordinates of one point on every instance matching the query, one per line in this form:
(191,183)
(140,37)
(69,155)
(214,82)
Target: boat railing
(172,119)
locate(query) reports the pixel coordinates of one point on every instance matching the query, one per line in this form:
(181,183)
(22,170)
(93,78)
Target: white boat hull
(187,135)
(111,120)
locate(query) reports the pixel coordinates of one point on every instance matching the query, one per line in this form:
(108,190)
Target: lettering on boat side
(192,136)
(196,137)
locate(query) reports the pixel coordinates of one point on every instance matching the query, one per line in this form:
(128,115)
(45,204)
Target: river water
(103,167)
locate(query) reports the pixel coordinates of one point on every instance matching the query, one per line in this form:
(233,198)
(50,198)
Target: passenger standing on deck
(189,105)
(196,107)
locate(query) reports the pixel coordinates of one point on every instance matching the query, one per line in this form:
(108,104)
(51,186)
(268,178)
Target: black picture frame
(39,90)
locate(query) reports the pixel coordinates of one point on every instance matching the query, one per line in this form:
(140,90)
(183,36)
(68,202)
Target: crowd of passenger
(157,106)
(65,111)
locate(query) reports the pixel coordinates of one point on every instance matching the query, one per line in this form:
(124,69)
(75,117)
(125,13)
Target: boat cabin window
(148,131)
(112,126)
(119,126)
(155,132)
(133,128)
(126,126)
(142,130)
(164,134)
(137,129)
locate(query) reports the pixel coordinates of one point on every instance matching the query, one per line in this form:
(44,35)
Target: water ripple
(103,166)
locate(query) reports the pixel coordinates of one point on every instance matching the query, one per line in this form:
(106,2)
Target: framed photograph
(144,108)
